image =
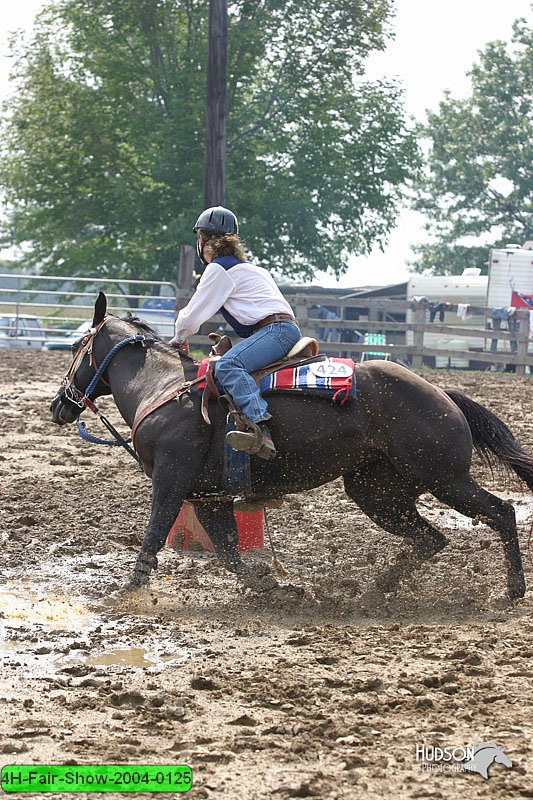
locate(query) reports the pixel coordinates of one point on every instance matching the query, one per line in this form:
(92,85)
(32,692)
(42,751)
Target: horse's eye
(79,343)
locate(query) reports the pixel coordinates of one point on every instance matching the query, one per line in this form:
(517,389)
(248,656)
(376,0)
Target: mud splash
(53,633)
(21,605)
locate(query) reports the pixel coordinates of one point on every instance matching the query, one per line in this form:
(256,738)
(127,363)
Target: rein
(175,394)
(82,399)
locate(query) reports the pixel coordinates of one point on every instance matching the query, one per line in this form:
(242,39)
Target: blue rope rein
(89,437)
(114,350)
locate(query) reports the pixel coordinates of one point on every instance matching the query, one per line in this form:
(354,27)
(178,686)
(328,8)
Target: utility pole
(216,106)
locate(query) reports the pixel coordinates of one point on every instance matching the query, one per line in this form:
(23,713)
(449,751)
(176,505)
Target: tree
(102,147)
(477,189)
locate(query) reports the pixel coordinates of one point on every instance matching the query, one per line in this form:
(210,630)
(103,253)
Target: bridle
(70,391)
(82,400)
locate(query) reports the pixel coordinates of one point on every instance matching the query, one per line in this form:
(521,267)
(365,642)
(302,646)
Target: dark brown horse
(400,438)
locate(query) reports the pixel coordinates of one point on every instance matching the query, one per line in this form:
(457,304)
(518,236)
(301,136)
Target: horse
(399,438)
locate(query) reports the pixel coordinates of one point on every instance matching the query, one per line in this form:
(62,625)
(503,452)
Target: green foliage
(479,184)
(449,259)
(102,153)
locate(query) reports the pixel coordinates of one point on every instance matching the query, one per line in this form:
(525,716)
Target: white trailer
(454,289)
(510,269)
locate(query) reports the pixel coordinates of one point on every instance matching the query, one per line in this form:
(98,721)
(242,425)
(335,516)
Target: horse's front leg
(168,494)
(172,479)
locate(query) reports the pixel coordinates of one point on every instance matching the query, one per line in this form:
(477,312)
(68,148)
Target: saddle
(304,351)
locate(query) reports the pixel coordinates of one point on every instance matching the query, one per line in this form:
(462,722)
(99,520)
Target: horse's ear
(100,308)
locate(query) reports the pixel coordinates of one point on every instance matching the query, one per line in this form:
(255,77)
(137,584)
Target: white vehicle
(21,332)
(66,341)
(511,281)
(510,270)
(453,289)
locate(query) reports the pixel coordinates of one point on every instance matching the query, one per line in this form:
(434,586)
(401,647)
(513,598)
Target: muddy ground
(264,696)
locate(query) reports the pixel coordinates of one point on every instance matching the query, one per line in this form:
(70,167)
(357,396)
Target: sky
(435,44)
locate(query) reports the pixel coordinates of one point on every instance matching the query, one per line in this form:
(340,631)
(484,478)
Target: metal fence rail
(58,304)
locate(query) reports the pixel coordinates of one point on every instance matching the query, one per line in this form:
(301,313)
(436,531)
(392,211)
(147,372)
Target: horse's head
(68,403)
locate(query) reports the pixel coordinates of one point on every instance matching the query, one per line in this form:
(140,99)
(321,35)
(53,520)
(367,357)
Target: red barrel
(188,534)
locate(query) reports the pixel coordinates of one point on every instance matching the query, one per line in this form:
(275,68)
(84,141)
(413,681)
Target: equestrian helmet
(217,220)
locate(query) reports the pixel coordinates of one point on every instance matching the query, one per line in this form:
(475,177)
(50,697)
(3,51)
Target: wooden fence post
(302,316)
(216,105)
(185,279)
(522,315)
(186,268)
(418,333)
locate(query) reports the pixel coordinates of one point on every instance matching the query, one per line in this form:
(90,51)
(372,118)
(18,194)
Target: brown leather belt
(273,318)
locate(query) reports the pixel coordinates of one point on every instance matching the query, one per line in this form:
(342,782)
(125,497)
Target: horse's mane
(144,327)
(140,324)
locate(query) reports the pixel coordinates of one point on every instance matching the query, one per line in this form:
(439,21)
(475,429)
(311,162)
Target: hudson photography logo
(473,758)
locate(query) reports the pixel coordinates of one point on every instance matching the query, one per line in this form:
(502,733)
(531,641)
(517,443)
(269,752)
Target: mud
(322,694)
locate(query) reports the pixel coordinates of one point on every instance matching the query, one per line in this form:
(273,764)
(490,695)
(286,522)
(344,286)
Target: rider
(249,300)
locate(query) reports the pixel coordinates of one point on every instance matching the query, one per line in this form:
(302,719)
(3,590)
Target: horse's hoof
(117,596)
(389,581)
(236,567)
(260,583)
(516,588)
(136,582)
(387,585)
(502,601)
(128,591)
(288,591)
(299,591)
(372,598)
(122,592)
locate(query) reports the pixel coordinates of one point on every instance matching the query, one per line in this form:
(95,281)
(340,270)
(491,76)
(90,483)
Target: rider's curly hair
(223,244)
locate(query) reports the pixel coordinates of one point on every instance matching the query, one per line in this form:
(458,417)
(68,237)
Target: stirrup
(252,441)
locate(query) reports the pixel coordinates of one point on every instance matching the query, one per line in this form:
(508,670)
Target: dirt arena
(280,695)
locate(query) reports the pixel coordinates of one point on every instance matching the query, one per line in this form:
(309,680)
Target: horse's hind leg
(389,500)
(464,495)
(219,522)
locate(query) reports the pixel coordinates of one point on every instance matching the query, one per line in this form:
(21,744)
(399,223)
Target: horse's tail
(492,438)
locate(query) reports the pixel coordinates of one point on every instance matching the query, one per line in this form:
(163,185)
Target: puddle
(35,624)
(46,633)
(138,657)
(132,657)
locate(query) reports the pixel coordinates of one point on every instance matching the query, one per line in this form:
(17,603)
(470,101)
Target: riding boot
(256,441)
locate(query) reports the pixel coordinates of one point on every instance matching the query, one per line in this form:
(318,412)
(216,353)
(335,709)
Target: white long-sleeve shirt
(248,293)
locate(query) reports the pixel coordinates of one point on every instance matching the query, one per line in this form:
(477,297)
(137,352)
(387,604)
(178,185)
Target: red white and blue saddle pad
(332,377)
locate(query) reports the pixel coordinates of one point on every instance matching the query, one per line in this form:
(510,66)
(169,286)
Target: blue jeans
(232,371)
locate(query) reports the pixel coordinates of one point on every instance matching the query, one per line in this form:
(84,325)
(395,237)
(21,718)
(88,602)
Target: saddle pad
(332,377)
(202,369)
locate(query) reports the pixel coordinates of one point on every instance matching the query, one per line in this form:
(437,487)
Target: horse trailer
(510,270)
(467,289)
